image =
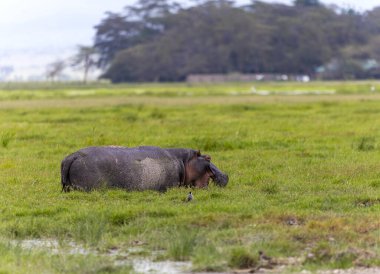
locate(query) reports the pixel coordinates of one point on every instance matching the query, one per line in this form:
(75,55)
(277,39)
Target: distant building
(237,77)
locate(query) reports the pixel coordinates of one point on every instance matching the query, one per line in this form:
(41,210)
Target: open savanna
(304,176)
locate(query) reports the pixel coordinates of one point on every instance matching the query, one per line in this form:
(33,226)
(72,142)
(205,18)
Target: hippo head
(199,170)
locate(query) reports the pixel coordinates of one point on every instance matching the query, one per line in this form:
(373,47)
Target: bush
(241,258)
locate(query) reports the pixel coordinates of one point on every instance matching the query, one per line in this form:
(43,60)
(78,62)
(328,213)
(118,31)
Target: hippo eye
(201,164)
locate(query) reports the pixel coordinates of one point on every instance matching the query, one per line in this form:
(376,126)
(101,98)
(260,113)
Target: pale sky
(35,31)
(39,24)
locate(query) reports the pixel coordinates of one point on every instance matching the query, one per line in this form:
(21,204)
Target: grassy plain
(304,176)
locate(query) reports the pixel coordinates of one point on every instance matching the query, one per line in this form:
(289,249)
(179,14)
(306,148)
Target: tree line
(160,40)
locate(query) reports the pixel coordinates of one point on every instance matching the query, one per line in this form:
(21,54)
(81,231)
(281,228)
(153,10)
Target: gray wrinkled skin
(139,168)
(220,178)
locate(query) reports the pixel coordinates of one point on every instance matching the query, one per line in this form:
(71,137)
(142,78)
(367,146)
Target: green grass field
(304,176)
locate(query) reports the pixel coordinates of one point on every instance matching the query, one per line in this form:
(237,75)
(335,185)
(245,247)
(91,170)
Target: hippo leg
(65,188)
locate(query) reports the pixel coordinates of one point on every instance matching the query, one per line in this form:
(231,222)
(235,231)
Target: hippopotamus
(138,168)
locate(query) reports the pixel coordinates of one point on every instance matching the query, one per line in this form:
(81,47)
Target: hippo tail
(65,172)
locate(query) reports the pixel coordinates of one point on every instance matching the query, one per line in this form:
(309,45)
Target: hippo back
(137,168)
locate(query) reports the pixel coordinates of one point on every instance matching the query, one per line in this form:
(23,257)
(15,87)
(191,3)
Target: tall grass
(5,138)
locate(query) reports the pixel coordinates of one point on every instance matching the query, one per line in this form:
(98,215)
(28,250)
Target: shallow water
(140,264)
(51,245)
(148,266)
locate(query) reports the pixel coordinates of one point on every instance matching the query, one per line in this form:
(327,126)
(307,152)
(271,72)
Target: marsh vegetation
(304,176)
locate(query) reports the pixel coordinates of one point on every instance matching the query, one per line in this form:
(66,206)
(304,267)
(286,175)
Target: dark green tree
(160,41)
(138,24)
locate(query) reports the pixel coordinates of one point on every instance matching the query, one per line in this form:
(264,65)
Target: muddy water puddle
(139,264)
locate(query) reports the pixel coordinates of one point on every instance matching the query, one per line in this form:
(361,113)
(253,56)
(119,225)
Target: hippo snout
(221,180)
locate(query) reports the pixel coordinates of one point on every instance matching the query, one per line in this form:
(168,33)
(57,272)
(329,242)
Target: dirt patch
(203,100)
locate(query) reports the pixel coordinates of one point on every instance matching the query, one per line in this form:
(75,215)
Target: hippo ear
(192,154)
(198,153)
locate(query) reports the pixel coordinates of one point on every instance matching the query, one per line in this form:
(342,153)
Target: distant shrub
(270,188)
(182,244)
(157,114)
(323,253)
(237,108)
(161,214)
(90,228)
(345,259)
(6,137)
(366,144)
(320,253)
(375,183)
(268,185)
(131,117)
(30,227)
(207,258)
(121,218)
(241,258)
